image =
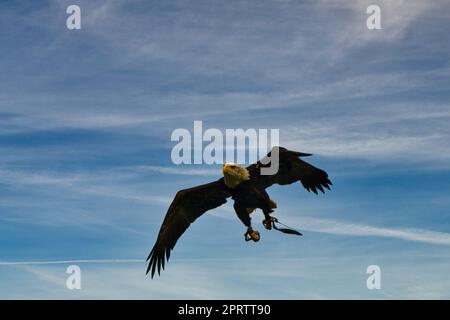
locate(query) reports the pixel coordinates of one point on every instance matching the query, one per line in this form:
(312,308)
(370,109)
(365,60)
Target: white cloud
(183,170)
(353,229)
(284,278)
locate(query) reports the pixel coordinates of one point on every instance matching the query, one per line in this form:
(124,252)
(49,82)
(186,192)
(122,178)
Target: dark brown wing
(292,169)
(188,205)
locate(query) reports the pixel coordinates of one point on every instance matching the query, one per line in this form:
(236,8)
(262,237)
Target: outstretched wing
(188,205)
(291,169)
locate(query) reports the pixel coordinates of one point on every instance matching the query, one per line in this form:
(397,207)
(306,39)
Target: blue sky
(85,124)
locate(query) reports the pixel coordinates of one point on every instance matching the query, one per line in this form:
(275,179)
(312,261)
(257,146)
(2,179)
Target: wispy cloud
(354,229)
(181,170)
(50,262)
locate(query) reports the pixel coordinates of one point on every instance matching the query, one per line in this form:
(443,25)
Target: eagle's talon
(252,235)
(268,223)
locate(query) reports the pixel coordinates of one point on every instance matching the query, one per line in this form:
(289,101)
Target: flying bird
(246,186)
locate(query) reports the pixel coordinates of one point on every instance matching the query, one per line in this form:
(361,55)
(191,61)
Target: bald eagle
(246,186)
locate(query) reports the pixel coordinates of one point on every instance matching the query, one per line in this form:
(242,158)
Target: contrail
(354,229)
(74,261)
(18,263)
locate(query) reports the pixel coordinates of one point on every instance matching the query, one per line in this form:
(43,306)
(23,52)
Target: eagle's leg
(267,210)
(244,216)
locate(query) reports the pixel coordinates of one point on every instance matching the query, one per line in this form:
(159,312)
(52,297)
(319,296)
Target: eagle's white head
(234,174)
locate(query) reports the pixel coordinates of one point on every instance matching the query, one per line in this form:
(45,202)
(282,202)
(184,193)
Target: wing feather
(292,169)
(186,207)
